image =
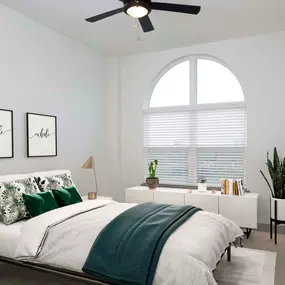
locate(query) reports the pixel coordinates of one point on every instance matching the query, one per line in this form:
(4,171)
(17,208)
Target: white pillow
(53,180)
(14,177)
(49,173)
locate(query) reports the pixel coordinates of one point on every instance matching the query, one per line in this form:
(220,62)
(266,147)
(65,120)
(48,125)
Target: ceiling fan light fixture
(137,9)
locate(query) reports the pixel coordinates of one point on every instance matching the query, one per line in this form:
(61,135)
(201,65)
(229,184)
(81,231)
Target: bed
(9,238)
(60,241)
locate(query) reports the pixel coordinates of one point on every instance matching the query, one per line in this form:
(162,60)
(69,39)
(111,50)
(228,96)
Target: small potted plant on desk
(276,171)
(152,181)
(202,184)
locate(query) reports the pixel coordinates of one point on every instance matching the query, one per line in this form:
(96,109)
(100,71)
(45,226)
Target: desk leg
(247,233)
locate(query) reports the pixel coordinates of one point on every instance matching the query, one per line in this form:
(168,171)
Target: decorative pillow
(40,203)
(12,205)
(56,182)
(67,196)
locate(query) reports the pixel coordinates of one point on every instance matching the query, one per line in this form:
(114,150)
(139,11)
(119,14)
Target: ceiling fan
(140,9)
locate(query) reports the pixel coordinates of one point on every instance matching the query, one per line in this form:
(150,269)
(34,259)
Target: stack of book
(232,187)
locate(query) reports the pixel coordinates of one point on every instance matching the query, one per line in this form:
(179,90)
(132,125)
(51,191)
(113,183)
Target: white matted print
(6,134)
(42,135)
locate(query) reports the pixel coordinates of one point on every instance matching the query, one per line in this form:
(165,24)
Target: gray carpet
(248,267)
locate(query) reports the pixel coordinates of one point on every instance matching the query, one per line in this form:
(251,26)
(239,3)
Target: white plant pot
(202,187)
(280,209)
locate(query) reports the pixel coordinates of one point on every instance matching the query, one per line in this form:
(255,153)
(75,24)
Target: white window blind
(196,142)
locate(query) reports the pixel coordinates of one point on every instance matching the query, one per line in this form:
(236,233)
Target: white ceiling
(218,20)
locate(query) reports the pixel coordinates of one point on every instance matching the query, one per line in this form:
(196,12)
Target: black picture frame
(11,133)
(31,136)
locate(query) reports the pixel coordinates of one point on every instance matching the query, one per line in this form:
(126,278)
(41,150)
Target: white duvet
(64,237)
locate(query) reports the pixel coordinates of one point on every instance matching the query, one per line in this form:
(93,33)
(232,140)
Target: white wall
(44,72)
(259,64)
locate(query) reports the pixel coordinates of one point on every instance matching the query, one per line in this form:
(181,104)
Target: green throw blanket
(127,250)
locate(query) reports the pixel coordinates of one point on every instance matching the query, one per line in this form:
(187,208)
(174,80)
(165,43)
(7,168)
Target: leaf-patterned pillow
(12,206)
(55,182)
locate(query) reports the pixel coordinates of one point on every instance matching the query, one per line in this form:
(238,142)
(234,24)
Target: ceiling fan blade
(104,15)
(187,9)
(146,24)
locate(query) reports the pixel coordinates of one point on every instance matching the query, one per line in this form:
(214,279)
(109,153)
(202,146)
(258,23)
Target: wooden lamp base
(92,195)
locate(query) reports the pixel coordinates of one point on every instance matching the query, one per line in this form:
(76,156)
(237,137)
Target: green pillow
(39,203)
(67,196)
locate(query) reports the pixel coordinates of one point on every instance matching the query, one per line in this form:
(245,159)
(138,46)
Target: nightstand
(85,198)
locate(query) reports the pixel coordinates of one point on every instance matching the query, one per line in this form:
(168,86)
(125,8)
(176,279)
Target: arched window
(195,124)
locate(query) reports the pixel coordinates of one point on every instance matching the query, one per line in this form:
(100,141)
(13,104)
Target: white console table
(240,209)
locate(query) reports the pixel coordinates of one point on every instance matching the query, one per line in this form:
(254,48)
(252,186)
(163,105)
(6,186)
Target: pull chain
(137,26)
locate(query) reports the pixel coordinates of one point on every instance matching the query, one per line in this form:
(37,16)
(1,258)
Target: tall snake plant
(276,170)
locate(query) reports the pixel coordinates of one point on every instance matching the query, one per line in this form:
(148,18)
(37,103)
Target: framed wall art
(41,135)
(6,134)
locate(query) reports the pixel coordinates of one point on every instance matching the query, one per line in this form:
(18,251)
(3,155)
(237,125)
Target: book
(241,189)
(236,192)
(225,186)
(232,187)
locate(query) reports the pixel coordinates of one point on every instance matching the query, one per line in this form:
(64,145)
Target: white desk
(240,209)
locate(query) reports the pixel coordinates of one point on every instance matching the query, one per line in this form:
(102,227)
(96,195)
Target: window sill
(195,187)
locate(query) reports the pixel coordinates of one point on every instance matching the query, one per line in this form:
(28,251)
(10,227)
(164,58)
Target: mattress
(9,238)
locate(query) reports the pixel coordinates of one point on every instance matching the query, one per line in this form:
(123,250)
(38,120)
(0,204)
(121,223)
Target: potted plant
(152,181)
(276,171)
(202,184)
